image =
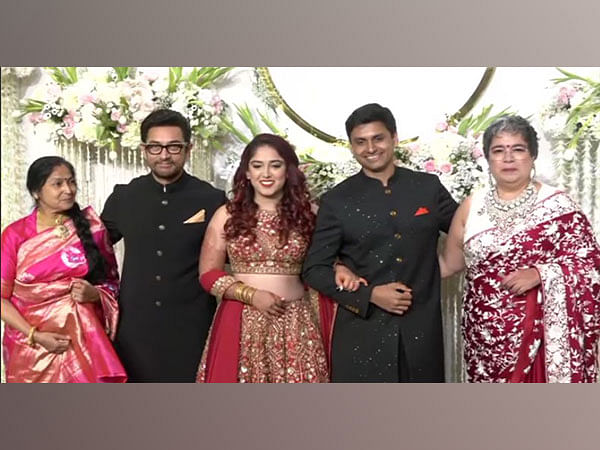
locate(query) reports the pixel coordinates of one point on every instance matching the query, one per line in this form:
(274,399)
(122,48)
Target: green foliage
(252,124)
(581,115)
(477,124)
(64,75)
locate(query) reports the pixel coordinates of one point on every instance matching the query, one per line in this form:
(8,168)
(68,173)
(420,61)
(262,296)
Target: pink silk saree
(549,334)
(37,272)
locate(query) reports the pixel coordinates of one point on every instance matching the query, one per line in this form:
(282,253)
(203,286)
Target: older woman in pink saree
(59,287)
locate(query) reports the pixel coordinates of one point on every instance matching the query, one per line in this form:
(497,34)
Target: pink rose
(446,168)
(121,128)
(477,153)
(429,166)
(115,115)
(35,118)
(68,132)
(442,126)
(69,120)
(414,147)
(565,94)
(87,98)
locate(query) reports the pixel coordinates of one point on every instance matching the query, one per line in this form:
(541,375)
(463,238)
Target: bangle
(244,293)
(30,340)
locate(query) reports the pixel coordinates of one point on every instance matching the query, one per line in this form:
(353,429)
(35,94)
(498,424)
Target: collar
(176,186)
(392,180)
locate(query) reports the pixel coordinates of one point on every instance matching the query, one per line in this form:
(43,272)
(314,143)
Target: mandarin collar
(395,177)
(176,186)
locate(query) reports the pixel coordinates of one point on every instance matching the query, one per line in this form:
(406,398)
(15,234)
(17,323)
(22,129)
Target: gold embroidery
(266,255)
(221,285)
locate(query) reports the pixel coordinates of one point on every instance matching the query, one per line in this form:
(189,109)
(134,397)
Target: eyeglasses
(173,148)
(519,152)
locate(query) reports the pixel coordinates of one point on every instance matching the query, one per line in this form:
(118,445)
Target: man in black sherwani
(384,224)
(164,312)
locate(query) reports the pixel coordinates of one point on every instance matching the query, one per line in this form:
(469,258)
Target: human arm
(394,298)
(451,257)
(223,285)
(110,216)
(347,280)
(53,342)
(318,271)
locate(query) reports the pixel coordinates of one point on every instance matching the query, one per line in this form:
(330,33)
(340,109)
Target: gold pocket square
(197,218)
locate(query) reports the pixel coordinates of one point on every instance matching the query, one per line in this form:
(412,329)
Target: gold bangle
(249,294)
(237,292)
(244,293)
(30,341)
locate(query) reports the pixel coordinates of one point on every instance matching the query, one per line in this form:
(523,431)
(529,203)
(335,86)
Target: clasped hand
(268,303)
(82,291)
(521,281)
(394,297)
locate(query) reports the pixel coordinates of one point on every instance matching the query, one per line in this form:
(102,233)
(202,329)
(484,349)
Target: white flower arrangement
(455,158)
(573,112)
(105,106)
(321,176)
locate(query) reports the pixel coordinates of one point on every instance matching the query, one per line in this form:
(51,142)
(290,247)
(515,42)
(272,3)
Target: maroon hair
(294,208)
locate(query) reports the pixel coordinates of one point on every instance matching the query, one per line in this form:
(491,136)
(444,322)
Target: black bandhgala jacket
(164,312)
(383,233)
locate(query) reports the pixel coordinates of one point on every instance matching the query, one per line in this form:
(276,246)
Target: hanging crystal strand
(583,179)
(119,166)
(556,150)
(451,293)
(88,166)
(578,169)
(594,171)
(83,153)
(100,194)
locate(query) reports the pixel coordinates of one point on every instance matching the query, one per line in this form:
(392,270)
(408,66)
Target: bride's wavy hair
(294,208)
(37,175)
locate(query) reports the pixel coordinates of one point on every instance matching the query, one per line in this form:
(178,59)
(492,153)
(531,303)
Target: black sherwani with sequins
(384,234)
(164,314)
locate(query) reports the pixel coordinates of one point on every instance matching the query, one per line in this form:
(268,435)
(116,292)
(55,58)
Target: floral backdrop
(92,116)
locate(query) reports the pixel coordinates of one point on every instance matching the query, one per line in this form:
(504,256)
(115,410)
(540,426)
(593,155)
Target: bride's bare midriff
(287,286)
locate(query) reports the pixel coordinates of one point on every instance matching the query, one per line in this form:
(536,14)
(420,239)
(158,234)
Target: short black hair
(512,124)
(166,117)
(371,112)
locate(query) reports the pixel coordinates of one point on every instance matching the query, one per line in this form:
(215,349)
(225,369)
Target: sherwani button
(393,213)
(159,252)
(164,202)
(161,227)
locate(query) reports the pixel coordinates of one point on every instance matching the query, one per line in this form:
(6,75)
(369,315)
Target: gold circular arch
(279,101)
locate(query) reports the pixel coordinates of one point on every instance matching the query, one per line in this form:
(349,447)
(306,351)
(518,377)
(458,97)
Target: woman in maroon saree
(59,286)
(532,297)
(268,328)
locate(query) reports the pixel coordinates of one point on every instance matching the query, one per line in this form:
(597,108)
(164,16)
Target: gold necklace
(60,229)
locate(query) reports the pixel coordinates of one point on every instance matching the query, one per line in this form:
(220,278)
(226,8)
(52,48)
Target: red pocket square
(422,210)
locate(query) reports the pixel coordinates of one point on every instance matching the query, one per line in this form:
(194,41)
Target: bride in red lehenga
(268,328)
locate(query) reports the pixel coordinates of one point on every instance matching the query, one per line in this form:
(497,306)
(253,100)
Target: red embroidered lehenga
(37,272)
(243,345)
(549,334)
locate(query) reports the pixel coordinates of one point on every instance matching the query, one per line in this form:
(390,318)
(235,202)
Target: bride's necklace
(504,213)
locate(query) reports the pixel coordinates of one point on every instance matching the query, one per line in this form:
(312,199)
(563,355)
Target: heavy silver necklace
(505,213)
